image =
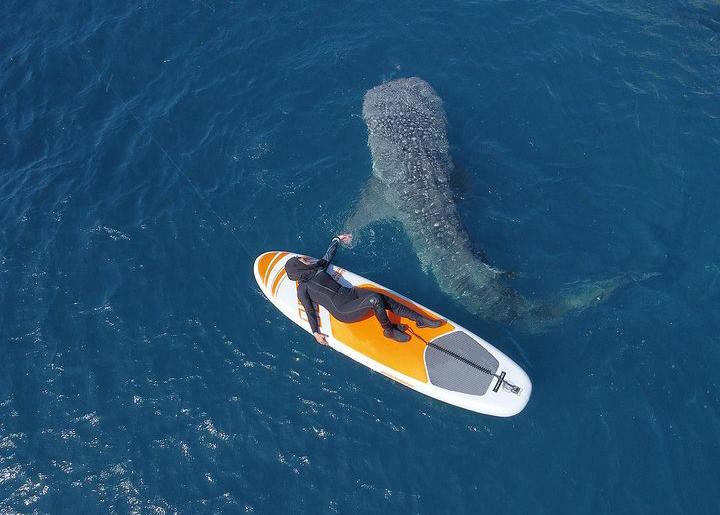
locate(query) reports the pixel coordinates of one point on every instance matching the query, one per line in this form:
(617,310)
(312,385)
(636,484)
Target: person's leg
(351,306)
(357,308)
(406,312)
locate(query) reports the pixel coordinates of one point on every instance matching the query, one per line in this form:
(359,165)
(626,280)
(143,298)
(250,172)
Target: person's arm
(307,303)
(332,249)
(329,253)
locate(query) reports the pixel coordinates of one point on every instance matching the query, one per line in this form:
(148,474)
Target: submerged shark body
(411,170)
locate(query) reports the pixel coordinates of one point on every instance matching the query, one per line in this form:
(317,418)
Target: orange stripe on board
(278,279)
(272,264)
(264,263)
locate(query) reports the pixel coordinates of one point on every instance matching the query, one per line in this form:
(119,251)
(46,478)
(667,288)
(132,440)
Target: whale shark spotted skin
(411,168)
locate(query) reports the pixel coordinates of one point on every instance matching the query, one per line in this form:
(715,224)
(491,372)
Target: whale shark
(410,184)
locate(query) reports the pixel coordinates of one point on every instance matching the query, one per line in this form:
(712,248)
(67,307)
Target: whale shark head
(405,119)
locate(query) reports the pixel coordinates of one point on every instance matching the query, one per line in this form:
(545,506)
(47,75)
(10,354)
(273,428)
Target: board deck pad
(459,363)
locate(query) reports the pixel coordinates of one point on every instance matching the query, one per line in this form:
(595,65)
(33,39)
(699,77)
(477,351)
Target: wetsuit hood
(299,271)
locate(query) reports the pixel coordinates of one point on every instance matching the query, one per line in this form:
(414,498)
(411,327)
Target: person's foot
(426,322)
(396,335)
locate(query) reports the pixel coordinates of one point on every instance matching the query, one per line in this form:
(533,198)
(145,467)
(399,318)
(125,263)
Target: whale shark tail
(536,316)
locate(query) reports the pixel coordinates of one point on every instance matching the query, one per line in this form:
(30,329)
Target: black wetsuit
(346,304)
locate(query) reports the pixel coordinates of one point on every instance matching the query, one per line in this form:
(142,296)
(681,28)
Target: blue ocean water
(149,151)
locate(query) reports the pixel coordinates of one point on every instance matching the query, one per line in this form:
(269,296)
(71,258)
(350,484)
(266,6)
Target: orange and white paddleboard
(448,363)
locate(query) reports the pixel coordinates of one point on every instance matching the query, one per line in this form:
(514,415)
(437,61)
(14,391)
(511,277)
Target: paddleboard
(448,363)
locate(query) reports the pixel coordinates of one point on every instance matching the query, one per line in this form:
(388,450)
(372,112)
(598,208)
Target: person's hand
(320,338)
(345,238)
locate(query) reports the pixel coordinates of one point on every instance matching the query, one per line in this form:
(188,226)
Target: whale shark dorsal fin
(498,272)
(372,206)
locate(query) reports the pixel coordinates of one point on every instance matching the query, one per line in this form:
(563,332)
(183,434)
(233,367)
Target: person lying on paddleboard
(346,304)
